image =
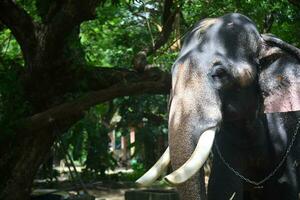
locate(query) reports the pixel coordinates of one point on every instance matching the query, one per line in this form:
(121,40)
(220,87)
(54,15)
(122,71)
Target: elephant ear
(279,76)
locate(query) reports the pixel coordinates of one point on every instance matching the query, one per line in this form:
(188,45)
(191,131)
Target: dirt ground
(113,194)
(101,191)
(99,194)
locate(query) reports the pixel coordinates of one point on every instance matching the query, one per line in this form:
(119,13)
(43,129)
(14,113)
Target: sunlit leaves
(113,38)
(9,50)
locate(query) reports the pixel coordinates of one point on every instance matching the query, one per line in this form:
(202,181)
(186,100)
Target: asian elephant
(235,93)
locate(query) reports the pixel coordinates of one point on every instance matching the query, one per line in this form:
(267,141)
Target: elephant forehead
(234,40)
(233,35)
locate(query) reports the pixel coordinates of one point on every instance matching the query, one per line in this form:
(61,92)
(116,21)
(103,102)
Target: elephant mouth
(188,169)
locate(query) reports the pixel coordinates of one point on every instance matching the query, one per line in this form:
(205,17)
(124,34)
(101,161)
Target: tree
(52,70)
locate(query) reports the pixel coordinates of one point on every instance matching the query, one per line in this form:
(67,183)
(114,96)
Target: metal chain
(258,183)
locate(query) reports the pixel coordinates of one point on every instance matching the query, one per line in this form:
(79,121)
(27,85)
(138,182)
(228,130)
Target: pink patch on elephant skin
(283,99)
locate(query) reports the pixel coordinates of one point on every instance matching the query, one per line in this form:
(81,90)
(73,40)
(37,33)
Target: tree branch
(20,23)
(66,114)
(60,20)
(295,3)
(268,22)
(168,19)
(69,15)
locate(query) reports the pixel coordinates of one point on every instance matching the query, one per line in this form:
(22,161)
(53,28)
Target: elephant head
(226,73)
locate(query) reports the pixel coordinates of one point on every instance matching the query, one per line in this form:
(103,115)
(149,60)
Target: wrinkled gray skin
(223,75)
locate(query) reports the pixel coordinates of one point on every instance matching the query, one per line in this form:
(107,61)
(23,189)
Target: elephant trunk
(196,161)
(190,144)
(194,117)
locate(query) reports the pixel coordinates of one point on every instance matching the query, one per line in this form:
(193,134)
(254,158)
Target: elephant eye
(218,72)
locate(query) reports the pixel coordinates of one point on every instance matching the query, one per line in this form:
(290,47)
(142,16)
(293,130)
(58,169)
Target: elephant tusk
(154,172)
(196,161)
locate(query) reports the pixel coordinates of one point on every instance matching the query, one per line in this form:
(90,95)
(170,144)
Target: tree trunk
(21,163)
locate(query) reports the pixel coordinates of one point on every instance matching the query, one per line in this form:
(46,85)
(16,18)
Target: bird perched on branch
(140,61)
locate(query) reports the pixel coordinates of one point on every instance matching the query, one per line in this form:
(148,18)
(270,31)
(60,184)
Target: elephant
(236,96)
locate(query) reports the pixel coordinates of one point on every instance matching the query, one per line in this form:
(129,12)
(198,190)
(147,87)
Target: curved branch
(268,22)
(66,114)
(168,19)
(19,22)
(70,14)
